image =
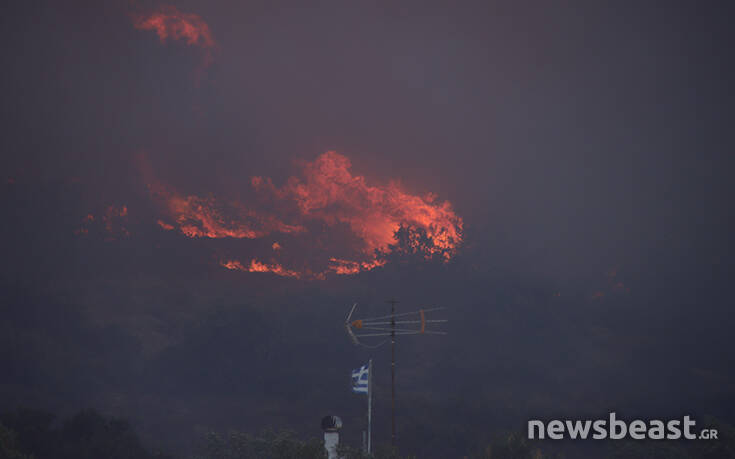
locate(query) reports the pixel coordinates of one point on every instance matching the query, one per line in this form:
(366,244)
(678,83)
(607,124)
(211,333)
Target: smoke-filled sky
(194,193)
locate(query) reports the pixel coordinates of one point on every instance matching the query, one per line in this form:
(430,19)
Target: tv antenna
(409,323)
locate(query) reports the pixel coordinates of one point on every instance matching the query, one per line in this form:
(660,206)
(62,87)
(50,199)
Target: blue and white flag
(360,379)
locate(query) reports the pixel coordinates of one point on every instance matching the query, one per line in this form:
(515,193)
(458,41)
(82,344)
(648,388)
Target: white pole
(370,404)
(331,442)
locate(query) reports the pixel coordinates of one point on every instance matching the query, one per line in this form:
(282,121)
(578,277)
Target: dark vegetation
(32,434)
(36,434)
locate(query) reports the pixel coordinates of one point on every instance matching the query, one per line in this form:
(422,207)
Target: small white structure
(331,426)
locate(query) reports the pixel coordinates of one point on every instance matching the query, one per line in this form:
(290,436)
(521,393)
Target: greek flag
(360,380)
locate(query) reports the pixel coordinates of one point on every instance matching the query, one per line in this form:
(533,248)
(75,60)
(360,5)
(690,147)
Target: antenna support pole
(376,326)
(392,303)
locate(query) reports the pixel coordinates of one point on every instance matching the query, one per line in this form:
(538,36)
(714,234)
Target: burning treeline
(325,221)
(349,225)
(170,23)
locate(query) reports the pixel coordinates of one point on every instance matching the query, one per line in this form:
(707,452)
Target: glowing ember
(165,225)
(353,267)
(258,267)
(113,220)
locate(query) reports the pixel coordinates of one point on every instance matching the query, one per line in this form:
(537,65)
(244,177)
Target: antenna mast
(409,323)
(392,303)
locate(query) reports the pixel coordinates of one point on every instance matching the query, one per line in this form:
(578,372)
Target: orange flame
(202,217)
(258,267)
(170,22)
(165,225)
(331,193)
(353,267)
(381,219)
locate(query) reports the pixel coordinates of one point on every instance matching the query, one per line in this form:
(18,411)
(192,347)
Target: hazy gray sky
(586,148)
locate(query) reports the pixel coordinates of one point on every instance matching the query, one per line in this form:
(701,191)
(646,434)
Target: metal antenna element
(411,323)
(391,325)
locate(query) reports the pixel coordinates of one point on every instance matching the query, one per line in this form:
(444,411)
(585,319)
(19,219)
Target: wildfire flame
(205,217)
(379,219)
(332,194)
(258,267)
(170,22)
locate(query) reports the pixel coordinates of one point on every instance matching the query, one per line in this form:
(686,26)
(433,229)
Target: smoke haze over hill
(194,194)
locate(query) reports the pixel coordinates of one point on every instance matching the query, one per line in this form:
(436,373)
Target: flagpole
(370,404)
